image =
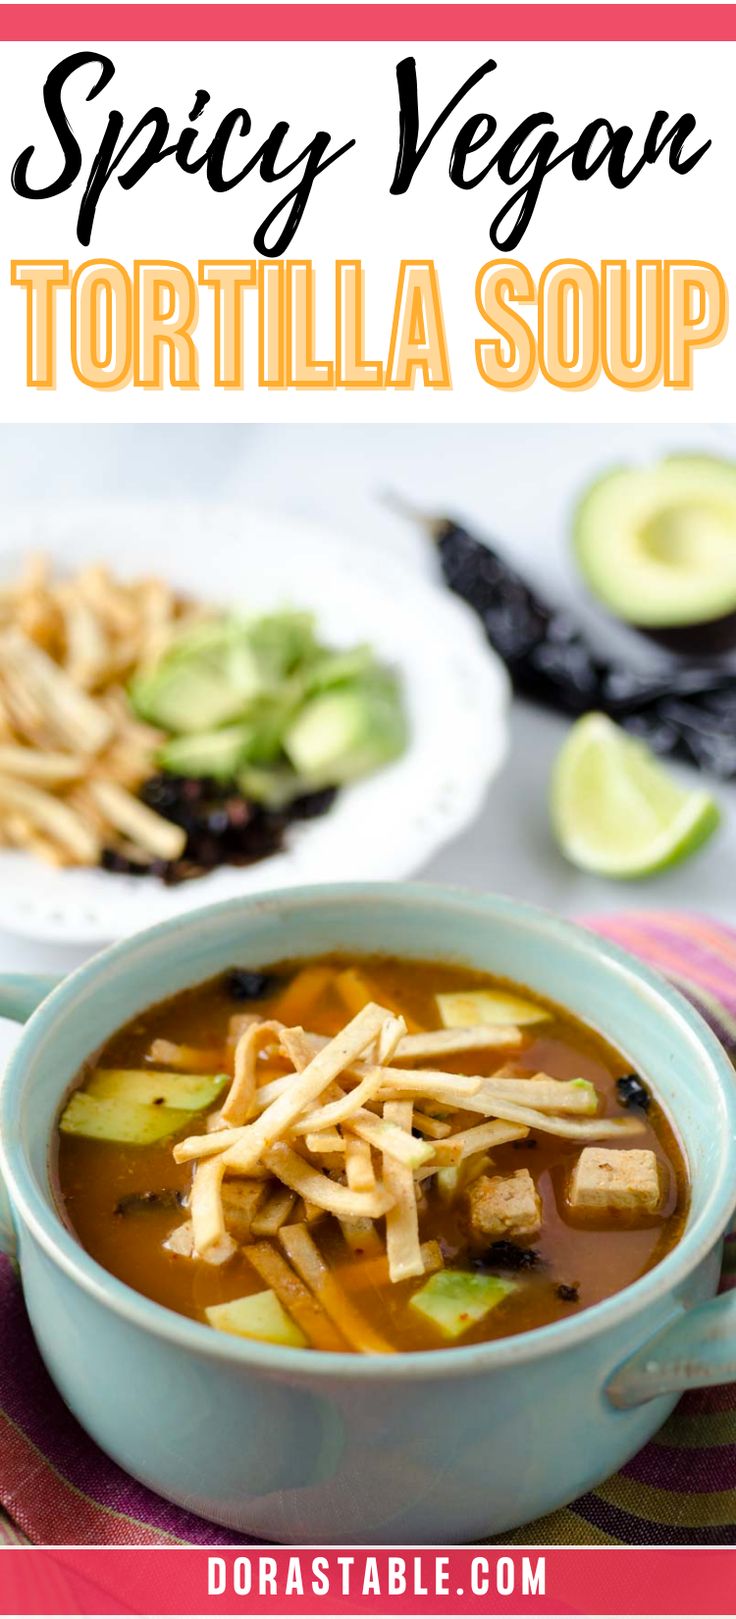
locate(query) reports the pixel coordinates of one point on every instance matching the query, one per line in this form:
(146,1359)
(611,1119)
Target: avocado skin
(709,639)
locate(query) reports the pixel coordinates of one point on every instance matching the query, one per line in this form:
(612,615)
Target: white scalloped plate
(385,827)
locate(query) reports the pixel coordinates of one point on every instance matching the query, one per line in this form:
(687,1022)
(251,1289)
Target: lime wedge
(616,811)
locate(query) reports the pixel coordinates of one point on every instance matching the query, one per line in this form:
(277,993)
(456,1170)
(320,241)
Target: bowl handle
(20,994)
(696,1351)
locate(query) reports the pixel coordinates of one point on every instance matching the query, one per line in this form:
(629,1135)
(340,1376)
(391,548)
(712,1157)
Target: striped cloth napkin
(57,1488)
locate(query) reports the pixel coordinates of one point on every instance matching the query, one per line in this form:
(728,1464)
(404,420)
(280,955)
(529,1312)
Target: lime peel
(616,811)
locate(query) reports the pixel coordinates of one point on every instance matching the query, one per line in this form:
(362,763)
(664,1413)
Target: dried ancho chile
(632,1092)
(682,710)
(506,1255)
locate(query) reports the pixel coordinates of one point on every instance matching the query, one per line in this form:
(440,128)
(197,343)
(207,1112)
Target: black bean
(632,1092)
(222,826)
(506,1255)
(310,805)
(242,984)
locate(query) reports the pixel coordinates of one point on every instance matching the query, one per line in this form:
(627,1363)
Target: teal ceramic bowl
(300,1446)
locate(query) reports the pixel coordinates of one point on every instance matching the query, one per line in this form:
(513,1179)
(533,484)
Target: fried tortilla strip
(271,1089)
(83,723)
(44,769)
(320,1072)
(430,1083)
(452,1042)
(205,1207)
(111,601)
(274,1213)
(387,1137)
(317,1188)
(307,1260)
(238,1023)
(216,1141)
(240,1102)
(395,1084)
(86,653)
(24,715)
(547,1094)
(434,1128)
(574,1129)
(478,1138)
(334,1113)
(402,1221)
(325,1141)
(374,1272)
(135,820)
(295,1297)
(390,1037)
(52,816)
(156,616)
(19,833)
(359,1171)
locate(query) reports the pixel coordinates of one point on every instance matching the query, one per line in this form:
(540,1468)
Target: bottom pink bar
(401,1580)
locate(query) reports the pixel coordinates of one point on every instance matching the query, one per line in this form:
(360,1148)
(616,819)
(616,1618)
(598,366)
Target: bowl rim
(44,1222)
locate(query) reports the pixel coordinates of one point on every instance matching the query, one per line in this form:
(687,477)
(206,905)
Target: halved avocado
(657,545)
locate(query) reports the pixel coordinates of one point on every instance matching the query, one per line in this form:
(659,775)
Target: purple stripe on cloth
(663,1467)
(631,1530)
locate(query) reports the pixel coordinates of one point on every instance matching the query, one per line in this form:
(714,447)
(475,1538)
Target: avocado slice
(206,753)
(115,1119)
(346,732)
(453,1301)
(468,1009)
(190,1092)
(657,545)
(258,1315)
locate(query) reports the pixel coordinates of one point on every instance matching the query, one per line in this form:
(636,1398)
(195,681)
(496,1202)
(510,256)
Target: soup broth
(501,1251)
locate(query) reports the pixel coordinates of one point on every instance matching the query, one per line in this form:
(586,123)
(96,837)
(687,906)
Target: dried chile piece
(568,1293)
(632,1092)
(506,1255)
(147,1202)
(681,709)
(547,657)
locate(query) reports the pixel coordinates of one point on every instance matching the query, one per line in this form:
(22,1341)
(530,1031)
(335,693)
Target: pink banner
(362,22)
(413,1580)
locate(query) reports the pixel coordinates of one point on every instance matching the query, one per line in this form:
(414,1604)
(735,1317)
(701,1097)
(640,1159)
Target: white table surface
(513,484)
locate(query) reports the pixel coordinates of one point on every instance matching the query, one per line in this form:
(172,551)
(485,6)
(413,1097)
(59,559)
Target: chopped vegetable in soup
(368,1156)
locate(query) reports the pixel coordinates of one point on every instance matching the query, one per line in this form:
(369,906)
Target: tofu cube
(616,1178)
(504,1206)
